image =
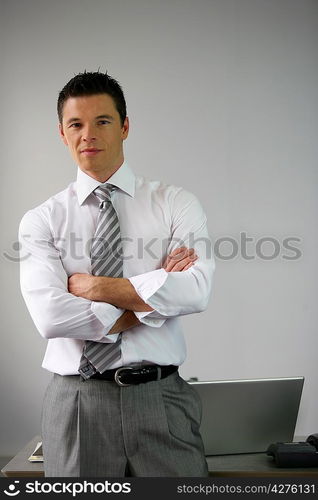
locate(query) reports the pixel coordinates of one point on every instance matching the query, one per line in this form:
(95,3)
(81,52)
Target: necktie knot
(103,192)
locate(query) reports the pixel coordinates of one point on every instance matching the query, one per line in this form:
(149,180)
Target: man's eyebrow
(108,117)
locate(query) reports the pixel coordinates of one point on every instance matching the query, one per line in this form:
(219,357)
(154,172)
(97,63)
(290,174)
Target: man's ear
(61,131)
(125,128)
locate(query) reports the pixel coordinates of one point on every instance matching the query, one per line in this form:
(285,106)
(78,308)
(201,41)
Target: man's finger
(181,254)
(171,255)
(176,264)
(188,266)
(178,255)
(170,264)
(177,250)
(182,264)
(180,258)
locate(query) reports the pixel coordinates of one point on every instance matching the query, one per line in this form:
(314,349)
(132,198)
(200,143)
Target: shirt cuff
(146,285)
(143,317)
(107,315)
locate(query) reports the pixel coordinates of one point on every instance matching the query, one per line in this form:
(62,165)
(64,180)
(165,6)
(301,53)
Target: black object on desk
(299,454)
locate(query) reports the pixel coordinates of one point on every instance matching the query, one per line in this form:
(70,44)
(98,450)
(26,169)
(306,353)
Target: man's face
(92,130)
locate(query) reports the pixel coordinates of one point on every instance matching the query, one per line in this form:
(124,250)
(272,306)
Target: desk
(19,466)
(246,465)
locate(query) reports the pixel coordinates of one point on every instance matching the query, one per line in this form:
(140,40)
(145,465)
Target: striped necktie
(106,260)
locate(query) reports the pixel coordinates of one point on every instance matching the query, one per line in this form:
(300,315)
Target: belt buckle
(117,375)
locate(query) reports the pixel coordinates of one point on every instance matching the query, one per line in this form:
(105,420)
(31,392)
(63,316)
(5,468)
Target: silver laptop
(246,416)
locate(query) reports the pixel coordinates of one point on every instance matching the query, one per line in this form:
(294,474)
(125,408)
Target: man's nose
(89,134)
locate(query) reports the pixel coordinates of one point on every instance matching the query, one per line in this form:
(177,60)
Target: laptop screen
(246,416)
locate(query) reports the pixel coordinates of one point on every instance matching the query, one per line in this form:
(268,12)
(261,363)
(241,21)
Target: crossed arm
(86,307)
(121,293)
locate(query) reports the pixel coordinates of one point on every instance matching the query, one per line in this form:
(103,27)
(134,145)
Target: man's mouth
(90,151)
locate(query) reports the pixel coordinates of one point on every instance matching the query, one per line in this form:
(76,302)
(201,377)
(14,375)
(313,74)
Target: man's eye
(103,122)
(75,125)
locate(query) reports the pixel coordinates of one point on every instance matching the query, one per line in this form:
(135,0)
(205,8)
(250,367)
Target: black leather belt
(133,375)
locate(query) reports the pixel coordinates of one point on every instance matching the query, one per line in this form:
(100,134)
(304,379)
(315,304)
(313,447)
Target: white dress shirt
(55,240)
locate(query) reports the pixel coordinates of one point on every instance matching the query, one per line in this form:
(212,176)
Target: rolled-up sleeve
(178,293)
(44,286)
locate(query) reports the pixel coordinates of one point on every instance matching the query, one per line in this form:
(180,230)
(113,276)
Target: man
(110,268)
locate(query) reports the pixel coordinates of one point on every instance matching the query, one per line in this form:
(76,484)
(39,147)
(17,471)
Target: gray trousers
(95,428)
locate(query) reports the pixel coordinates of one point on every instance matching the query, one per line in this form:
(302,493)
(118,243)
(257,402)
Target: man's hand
(180,259)
(127,320)
(82,285)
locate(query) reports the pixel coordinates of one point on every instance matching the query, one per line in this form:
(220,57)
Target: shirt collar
(123,178)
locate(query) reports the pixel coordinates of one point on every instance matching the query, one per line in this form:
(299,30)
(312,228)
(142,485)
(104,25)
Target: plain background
(222,100)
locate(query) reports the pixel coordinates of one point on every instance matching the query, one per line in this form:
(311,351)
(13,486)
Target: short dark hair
(92,83)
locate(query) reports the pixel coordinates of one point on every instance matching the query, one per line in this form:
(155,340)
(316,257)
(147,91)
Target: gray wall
(222,98)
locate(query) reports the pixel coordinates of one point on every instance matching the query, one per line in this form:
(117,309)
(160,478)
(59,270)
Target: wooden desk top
(19,466)
(253,464)
(245,465)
